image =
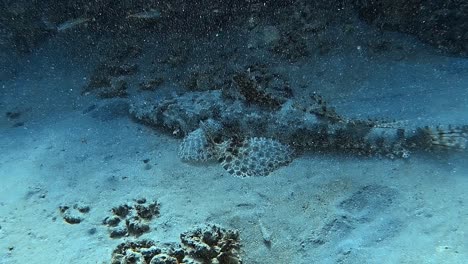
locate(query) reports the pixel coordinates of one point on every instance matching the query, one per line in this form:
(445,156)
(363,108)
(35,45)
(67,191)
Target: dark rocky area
(443,24)
(25,24)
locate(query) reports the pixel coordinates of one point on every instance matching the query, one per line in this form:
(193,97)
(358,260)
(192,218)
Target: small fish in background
(69,24)
(146,15)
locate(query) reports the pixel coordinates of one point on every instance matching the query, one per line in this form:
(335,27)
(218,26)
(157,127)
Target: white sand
(61,156)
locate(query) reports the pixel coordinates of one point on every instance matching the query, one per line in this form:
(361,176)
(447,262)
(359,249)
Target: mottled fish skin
(372,137)
(241,138)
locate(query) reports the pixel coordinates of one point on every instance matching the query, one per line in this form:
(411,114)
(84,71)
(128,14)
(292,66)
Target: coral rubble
(146,252)
(131,220)
(211,244)
(208,244)
(74,214)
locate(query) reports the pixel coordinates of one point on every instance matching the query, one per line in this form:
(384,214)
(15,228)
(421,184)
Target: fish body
(146,15)
(69,24)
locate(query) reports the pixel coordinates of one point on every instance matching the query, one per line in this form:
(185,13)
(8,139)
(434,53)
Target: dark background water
(24,24)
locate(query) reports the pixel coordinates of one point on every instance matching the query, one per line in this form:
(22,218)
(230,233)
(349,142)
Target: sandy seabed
(322,208)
